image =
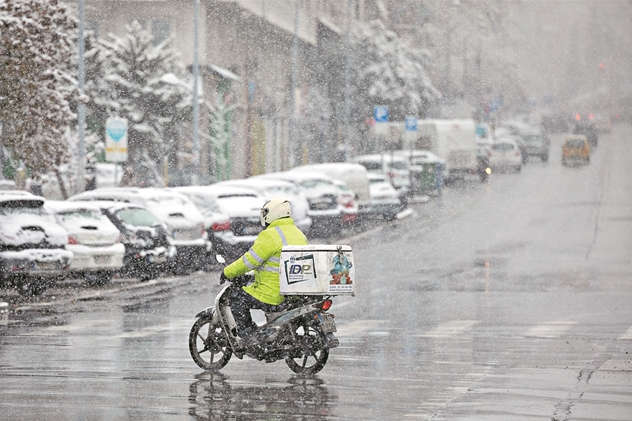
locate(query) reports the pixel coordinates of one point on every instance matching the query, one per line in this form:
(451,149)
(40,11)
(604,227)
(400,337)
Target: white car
(505,154)
(33,251)
(242,207)
(269,188)
(92,238)
(184,222)
(384,198)
(395,167)
(321,193)
(353,175)
(348,202)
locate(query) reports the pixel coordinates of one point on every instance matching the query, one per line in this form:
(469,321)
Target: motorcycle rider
(263,257)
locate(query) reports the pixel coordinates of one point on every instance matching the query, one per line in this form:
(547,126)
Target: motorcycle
(299,330)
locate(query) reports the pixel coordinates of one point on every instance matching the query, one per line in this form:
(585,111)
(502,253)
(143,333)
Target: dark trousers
(241,302)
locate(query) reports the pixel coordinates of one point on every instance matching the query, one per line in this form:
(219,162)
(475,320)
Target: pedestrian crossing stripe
(553,329)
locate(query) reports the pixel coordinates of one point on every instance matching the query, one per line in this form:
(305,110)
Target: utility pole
(196,105)
(81,109)
(347,76)
(293,123)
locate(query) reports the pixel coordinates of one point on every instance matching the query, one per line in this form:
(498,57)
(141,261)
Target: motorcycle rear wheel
(311,352)
(208,345)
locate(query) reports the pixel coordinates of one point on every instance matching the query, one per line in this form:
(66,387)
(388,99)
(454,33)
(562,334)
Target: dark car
(148,251)
(588,130)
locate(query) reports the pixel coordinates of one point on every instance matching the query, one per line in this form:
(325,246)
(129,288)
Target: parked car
(536,144)
(269,188)
(505,153)
(347,199)
(148,248)
(184,222)
(575,150)
(353,175)
(384,198)
(92,238)
(33,251)
(514,133)
(395,167)
(322,195)
(589,130)
(242,206)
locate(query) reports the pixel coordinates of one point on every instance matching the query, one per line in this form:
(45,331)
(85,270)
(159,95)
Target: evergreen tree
(35,84)
(386,71)
(143,83)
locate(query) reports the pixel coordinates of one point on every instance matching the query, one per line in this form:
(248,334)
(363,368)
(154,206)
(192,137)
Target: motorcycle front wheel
(310,352)
(208,345)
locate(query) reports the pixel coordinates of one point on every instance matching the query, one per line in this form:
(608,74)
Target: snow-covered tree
(387,71)
(145,85)
(35,85)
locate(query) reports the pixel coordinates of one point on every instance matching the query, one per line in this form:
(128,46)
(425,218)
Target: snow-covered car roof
(21,197)
(379,157)
(113,207)
(63,206)
(337,167)
(256,183)
(15,193)
(297,176)
(218,191)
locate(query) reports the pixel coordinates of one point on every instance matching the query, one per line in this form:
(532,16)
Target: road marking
(553,329)
(452,328)
(627,335)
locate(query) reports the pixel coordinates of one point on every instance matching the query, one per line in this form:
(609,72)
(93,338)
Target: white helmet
(274,209)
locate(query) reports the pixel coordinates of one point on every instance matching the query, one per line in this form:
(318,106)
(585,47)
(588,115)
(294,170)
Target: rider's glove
(223,278)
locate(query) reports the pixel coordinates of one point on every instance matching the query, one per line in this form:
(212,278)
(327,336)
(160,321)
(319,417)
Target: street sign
(116,139)
(411,124)
(380,114)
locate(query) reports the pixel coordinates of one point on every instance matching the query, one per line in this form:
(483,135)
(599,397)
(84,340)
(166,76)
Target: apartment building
(247,57)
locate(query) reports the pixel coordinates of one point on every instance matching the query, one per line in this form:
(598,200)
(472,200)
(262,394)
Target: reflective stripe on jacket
(264,257)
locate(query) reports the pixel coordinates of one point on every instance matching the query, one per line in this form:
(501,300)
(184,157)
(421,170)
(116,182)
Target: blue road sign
(411,124)
(380,114)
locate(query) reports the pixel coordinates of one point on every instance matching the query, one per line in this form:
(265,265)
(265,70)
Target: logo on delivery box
(300,269)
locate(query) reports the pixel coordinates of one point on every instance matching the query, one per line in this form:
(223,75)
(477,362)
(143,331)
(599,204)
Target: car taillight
(72,240)
(390,174)
(202,230)
(221,226)
(349,204)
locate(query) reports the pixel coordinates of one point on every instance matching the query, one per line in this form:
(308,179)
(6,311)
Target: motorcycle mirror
(220,258)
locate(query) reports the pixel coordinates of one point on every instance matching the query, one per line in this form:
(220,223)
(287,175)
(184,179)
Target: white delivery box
(317,270)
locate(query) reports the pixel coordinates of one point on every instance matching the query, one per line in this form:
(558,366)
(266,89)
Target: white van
(453,140)
(395,167)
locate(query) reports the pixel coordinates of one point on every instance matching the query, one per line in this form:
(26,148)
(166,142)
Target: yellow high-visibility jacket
(264,257)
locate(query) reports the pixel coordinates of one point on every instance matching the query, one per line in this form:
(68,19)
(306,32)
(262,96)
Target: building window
(160,30)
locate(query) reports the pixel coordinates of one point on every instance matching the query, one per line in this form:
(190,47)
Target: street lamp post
(293,123)
(196,105)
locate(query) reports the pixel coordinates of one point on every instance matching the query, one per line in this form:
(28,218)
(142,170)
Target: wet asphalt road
(505,301)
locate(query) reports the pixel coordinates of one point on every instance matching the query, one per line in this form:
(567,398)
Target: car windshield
(574,143)
(80,214)
(372,166)
(502,146)
(311,184)
(204,203)
(397,165)
(138,217)
(22,207)
(532,139)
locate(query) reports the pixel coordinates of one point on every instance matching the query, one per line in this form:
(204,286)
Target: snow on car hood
(19,229)
(89,228)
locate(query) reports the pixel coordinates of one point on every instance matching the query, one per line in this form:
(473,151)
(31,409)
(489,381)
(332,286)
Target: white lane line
(553,329)
(627,335)
(452,328)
